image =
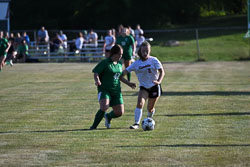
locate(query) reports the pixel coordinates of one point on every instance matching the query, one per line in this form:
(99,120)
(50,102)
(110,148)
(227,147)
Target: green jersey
(109,74)
(3,46)
(23,49)
(126,42)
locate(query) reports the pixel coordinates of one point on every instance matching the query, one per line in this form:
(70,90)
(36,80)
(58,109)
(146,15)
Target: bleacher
(88,53)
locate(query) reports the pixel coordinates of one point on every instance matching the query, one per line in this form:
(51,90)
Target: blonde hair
(144,44)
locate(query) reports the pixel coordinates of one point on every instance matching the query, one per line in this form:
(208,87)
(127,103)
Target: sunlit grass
(202,118)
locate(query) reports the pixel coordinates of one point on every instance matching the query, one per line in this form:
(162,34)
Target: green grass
(224,45)
(202,118)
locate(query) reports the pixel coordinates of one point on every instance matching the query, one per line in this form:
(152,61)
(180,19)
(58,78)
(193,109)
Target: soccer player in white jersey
(150,74)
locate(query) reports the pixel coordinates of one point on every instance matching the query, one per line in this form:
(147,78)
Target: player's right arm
(97,79)
(98,70)
(130,84)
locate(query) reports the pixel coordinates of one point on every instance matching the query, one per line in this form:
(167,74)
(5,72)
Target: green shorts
(115,98)
(127,57)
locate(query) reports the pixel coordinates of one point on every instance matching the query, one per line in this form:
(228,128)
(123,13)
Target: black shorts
(154,91)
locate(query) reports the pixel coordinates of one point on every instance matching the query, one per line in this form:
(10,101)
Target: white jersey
(146,71)
(109,41)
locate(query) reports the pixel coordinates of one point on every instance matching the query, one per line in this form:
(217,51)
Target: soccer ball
(148,124)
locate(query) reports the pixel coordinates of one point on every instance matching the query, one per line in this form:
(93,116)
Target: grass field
(214,45)
(202,118)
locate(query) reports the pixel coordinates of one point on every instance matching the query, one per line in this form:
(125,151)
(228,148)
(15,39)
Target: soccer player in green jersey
(4,47)
(107,76)
(128,44)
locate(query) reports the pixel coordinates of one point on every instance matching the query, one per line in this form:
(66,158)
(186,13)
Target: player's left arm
(161,76)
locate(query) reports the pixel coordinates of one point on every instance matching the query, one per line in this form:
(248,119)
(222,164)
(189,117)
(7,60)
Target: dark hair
(145,43)
(115,50)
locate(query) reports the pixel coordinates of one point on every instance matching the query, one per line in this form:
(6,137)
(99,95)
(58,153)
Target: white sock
(151,114)
(138,114)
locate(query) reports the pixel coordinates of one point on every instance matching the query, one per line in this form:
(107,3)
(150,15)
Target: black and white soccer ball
(148,124)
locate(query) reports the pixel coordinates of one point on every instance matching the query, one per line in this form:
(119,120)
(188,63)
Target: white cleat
(107,122)
(134,126)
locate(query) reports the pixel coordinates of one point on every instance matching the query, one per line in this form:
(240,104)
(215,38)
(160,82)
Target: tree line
(103,14)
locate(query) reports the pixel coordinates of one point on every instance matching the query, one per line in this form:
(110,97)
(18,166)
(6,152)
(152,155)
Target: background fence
(169,45)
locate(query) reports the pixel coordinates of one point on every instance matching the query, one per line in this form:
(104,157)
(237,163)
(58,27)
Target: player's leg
(142,97)
(118,109)
(103,98)
(151,106)
(2,61)
(154,94)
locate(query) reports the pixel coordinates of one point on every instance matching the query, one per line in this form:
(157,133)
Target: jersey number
(117,75)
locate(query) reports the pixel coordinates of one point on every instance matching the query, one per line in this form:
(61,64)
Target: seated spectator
(22,51)
(93,38)
(85,36)
(55,43)
(42,36)
(26,37)
(63,37)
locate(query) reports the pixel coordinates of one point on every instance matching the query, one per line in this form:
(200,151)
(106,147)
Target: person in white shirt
(79,41)
(109,42)
(63,37)
(138,30)
(93,38)
(43,36)
(139,40)
(150,74)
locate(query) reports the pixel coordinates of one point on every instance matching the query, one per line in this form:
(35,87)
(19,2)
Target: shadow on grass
(196,93)
(190,145)
(208,93)
(53,131)
(209,114)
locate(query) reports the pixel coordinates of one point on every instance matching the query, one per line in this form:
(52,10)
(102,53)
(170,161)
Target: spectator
(79,41)
(139,40)
(17,40)
(113,32)
(43,36)
(26,37)
(93,38)
(56,43)
(22,51)
(109,42)
(85,36)
(64,38)
(119,30)
(131,31)
(138,30)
